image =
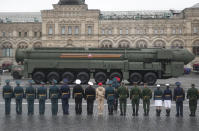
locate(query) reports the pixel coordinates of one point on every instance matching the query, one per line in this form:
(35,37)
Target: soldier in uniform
(7,96)
(109,95)
(146,96)
(116,85)
(192,95)
(54,95)
(65,96)
(179,97)
(158,100)
(19,95)
(123,93)
(90,95)
(100,94)
(30,95)
(167,98)
(135,95)
(42,96)
(78,95)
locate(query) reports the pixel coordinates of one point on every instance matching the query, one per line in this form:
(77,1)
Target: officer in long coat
(90,95)
(109,95)
(19,95)
(65,96)
(146,96)
(192,95)
(135,95)
(115,85)
(167,98)
(78,95)
(158,94)
(123,93)
(179,96)
(54,95)
(100,94)
(30,95)
(7,95)
(42,96)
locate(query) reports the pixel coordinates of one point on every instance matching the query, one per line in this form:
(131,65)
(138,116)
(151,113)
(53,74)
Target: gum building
(71,24)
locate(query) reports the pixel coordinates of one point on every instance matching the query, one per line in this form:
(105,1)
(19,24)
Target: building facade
(71,24)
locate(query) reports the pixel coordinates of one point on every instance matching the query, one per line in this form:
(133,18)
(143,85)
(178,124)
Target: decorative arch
(37,44)
(195,47)
(124,44)
(7,45)
(141,44)
(106,44)
(177,44)
(22,45)
(159,43)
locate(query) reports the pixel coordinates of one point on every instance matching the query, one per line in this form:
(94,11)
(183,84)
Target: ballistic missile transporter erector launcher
(134,65)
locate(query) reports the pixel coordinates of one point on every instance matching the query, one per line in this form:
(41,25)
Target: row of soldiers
(114,92)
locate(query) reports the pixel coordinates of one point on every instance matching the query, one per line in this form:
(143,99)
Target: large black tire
(150,78)
(100,77)
(135,77)
(69,76)
(16,75)
(115,74)
(38,77)
(53,76)
(84,77)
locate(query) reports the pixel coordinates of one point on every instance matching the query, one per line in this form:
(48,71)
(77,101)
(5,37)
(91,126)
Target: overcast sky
(103,5)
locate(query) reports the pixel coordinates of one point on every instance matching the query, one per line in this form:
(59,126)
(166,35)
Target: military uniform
(115,85)
(146,96)
(123,93)
(65,96)
(78,95)
(42,96)
(179,97)
(7,95)
(158,100)
(90,95)
(109,95)
(19,95)
(192,95)
(30,95)
(167,98)
(100,94)
(135,95)
(54,95)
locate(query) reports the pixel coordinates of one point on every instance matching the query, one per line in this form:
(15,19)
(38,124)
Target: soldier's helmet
(178,83)
(158,86)
(90,83)
(78,81)
(65,80)
(192,85)
(7,81)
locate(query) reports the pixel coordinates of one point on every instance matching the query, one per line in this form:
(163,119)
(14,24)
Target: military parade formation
(114,92)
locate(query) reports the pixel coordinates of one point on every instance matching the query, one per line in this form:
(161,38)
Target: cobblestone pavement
(101,123)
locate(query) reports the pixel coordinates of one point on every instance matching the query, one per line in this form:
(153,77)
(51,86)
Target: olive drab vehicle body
(134,65)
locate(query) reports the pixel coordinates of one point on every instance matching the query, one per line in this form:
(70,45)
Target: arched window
(124,44)
(196,48)
(107,44)
(141,44)
(7,49)
(177,44)
(22,45)
(159,44)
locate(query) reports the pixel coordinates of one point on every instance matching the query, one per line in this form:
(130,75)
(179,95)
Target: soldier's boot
(121,114)
(194,114)
(169,110)
(157,112)
(136,112)
(160,112)
(133,112)
(147,113)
